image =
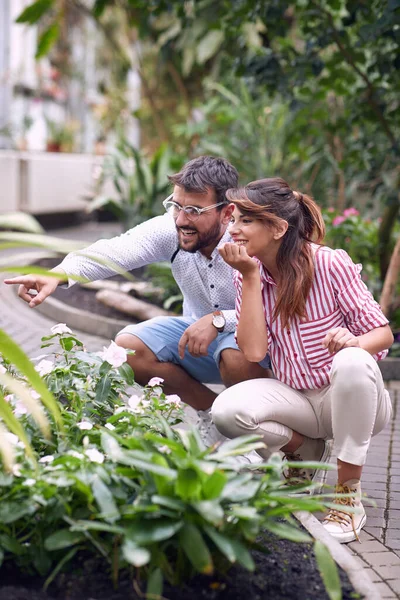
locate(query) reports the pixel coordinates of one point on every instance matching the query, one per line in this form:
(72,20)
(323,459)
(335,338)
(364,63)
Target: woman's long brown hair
(271,200)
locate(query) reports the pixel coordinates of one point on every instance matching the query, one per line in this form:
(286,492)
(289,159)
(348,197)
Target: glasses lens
(191,212)
(172,209)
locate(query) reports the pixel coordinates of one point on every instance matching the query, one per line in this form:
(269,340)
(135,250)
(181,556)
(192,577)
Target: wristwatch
(218,321)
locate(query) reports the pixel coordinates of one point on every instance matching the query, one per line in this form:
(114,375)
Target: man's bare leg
(234,368)
(176,380)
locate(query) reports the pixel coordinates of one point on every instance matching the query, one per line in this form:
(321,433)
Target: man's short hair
(205,172)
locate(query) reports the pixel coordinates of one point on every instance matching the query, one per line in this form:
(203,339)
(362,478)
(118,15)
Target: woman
(307,306)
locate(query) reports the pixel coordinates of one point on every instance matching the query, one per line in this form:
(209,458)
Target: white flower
(11,438)
(115,355)
(17,470)
(109,426)
(164,449)
(173,399)
(134,402)
(120,409)
(20,409)
(94,455)
(3,369)
(44,367)
(76,454)
(9,398)
(29,482)
(35,395)
(46,459)
(155,381)
(85,441)
(84,425)
(60,328)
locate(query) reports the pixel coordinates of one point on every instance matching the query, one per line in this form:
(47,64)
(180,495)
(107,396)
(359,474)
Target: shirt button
(295,354)
(212,285)
(209,266)
(288,332)
(216,305)
(303,374)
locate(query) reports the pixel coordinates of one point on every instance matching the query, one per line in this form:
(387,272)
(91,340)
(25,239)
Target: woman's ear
(280,229)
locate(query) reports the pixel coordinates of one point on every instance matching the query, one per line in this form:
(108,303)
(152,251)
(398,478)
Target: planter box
(390,368)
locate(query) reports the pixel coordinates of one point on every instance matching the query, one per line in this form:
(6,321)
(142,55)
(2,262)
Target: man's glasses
(192,212)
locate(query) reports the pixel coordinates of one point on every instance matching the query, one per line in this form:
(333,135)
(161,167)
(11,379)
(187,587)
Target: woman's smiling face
(250,232)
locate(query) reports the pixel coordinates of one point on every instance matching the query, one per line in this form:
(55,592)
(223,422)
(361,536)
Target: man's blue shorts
(162,335)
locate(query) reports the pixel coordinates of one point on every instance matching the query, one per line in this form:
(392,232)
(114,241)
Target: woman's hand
(237,257)
(338,338)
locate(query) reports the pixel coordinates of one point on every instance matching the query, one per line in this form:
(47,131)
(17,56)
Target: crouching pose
(307,306)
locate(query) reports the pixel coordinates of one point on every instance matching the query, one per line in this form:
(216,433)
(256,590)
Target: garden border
(354,570)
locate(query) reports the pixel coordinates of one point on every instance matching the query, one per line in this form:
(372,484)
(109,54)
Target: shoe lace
(335,515)
(294,474)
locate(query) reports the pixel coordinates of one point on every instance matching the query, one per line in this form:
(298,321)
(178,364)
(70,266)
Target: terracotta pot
(53,146)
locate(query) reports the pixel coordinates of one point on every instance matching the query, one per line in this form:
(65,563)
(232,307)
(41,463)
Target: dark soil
(288,572)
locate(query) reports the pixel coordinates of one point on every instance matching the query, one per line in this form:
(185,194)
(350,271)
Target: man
(198,347)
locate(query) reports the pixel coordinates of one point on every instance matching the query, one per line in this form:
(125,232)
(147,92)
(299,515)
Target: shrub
(125,481)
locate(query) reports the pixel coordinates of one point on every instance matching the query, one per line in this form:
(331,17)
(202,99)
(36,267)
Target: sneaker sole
(345,538)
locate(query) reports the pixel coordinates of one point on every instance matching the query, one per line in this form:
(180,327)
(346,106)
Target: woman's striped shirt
(338,298)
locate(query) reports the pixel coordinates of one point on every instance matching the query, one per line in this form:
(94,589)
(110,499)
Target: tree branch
(350,60)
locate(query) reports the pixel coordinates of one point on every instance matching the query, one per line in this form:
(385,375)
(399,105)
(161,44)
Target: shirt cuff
(230,320)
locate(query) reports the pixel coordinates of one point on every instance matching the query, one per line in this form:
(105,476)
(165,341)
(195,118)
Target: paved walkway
(379,552)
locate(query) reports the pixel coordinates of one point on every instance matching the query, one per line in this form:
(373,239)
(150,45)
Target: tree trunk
(389,217)
(131,306)
(391,279)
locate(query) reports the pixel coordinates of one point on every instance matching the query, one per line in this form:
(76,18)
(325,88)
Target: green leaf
(32,13)
(223,543)
(63,539)
(12,511)
(210,510)
(127,373)
(214,485)
(243,555)
(287,532)
(152,531)
(209,45)
(1,557)
(83,525)
(188,484)
(20,220)
(47,40)
(13,424)
(172,503)
(135,555)
(103,389)
(196,549)
(105,500)
(99,7)
(13,353)
(155,584)
(329,571)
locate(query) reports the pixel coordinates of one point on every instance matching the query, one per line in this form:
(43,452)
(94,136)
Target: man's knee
(234,368)
(142,352)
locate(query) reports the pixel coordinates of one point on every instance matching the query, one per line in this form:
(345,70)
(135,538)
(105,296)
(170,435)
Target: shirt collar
(265,276)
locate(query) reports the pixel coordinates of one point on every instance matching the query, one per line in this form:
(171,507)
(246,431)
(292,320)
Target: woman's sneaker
(346,526)
(311,450)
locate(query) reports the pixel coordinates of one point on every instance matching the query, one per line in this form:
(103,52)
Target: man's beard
(203,239)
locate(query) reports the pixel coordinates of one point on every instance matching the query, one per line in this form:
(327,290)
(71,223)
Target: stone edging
(359,579)
(82,320)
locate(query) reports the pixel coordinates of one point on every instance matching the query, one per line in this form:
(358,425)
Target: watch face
(218,321)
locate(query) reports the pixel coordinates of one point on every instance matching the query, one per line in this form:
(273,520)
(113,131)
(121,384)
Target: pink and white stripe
(338,298)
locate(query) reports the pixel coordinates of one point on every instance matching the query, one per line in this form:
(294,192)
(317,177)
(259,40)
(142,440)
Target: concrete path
(379,552)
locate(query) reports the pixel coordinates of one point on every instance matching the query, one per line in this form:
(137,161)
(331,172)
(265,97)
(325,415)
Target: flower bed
(120,481)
